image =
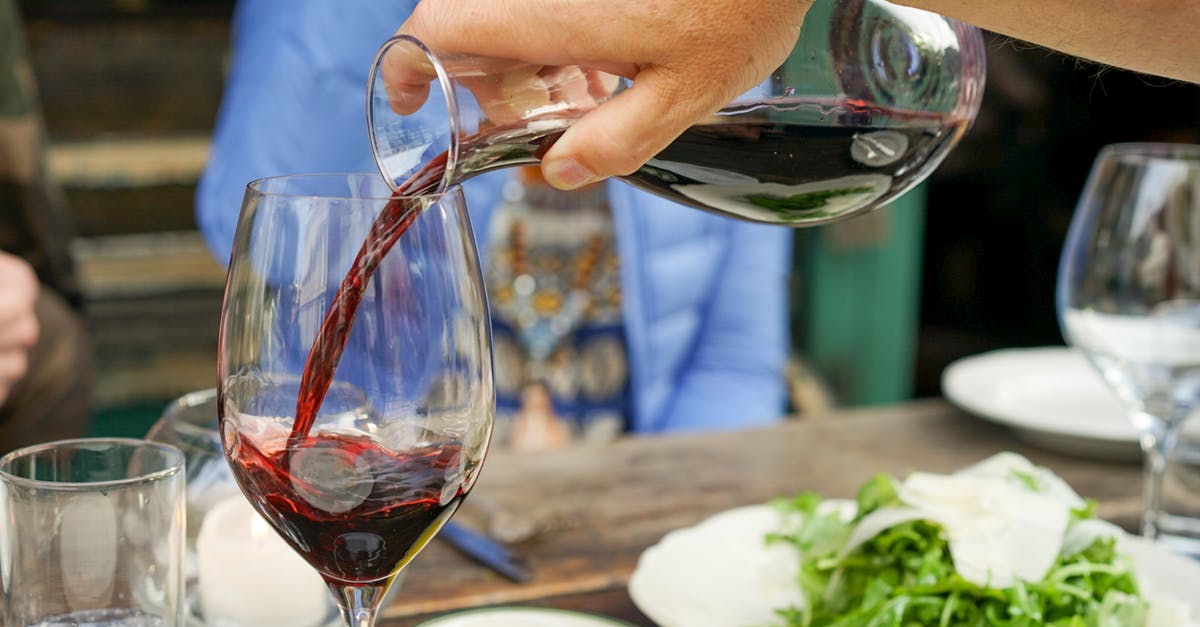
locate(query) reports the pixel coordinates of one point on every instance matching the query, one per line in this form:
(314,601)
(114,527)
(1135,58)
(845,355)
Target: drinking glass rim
(1151,151)
(257,186)
(185,402)
(173,455)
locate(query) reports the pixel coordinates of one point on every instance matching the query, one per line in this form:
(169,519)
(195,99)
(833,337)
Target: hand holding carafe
(871,98)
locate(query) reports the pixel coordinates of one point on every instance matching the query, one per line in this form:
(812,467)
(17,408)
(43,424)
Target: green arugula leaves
(905,576)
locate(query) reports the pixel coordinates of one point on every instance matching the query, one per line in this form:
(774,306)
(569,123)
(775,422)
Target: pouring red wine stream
(326,352)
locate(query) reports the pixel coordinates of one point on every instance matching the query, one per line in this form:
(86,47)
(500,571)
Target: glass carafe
(871,99)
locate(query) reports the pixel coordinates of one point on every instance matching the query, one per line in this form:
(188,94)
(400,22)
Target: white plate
(1051,396)
(523,617)
(720,573)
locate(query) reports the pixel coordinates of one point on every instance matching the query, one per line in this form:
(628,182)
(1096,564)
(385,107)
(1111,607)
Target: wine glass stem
(358,604)
(1156,446)
(1152,479)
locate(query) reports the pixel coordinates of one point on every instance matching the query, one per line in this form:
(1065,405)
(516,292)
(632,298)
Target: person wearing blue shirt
(703,299)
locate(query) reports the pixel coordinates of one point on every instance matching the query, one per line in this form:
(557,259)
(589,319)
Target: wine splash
(354,509)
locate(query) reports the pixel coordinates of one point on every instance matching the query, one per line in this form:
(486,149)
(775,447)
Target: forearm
(1151,36)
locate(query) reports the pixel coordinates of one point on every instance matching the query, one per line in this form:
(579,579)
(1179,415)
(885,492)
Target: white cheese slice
(1021,472)
(1084,533)
(1004,518)
(998,532)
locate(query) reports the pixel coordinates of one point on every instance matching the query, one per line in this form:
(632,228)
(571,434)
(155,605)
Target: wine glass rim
(172,456)
(1150,151)
(261,186)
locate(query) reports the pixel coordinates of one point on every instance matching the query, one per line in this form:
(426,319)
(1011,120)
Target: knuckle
(20,282)
(622,157)
(28,332)
(13,365)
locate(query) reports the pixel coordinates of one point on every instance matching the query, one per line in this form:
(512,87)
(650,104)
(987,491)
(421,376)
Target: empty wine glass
(315,296)
(1129,294)
(871,99)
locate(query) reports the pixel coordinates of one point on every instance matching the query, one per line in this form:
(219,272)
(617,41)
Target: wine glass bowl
(354,378)
(1129,294)
(872,98)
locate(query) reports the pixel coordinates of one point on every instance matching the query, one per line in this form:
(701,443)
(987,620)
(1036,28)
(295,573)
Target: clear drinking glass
(871,99)
(91,533)
(359,494)
(1129,294)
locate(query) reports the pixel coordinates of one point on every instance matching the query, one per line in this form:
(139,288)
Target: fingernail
(567,173)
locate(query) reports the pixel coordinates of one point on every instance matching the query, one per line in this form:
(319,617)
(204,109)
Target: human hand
(686,59)
(18,322)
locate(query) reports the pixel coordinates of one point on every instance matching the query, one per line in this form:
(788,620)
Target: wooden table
(602,506)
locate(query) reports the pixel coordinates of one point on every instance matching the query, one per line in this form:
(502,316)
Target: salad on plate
(1003,542)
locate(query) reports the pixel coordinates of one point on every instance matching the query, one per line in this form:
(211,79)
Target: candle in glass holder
(248,576)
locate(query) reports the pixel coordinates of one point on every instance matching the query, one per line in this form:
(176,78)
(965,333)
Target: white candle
(248,576)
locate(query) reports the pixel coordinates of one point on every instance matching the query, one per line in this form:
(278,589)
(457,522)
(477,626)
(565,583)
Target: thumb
(624,133)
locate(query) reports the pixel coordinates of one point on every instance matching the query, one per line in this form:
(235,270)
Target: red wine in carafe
(797,174)
(795,163)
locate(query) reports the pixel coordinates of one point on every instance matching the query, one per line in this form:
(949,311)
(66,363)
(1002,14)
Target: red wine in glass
(355,510)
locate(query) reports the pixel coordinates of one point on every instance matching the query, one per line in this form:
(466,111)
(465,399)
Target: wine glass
(872,98)
(332,283)
(1129,294)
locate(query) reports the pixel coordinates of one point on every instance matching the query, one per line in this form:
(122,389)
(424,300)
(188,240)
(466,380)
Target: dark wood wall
(112,71)
(129,92)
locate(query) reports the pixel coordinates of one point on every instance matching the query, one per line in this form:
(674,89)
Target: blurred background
(881,304)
